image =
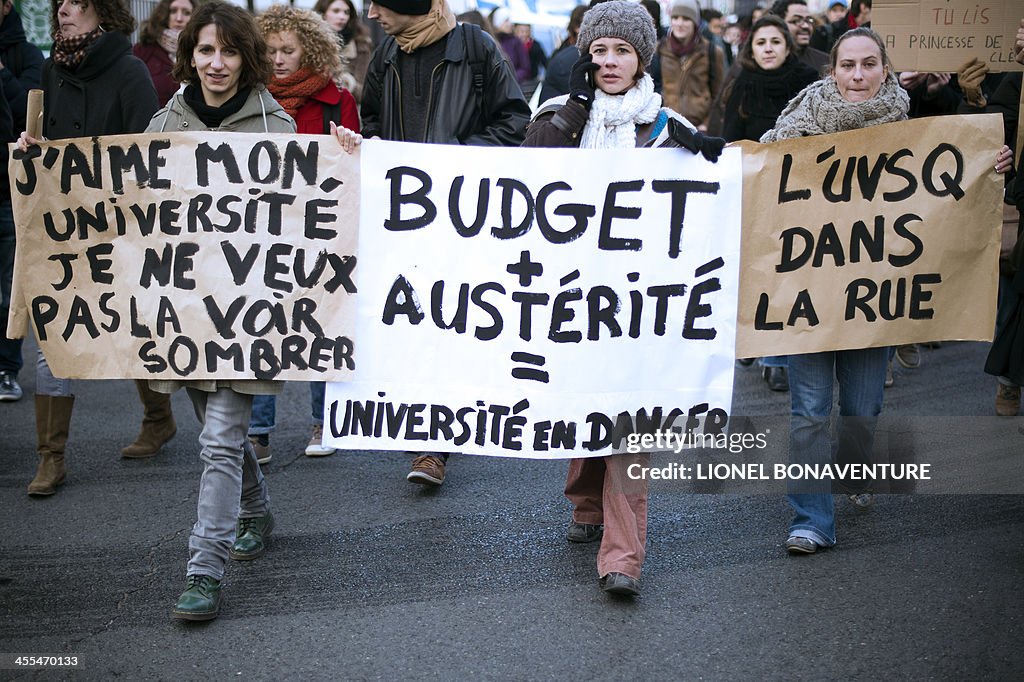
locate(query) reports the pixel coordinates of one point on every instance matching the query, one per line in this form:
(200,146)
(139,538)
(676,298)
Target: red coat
(159,64)
(309,120)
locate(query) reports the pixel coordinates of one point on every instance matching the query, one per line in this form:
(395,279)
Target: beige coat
(260,114)
(685,82)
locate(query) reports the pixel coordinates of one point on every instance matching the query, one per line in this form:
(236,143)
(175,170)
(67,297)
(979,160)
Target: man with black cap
(434,81)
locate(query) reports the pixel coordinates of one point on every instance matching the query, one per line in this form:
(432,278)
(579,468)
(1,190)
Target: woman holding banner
(612,104)
(307,61)
(92,85)
(223,62)
(770,75)
(861,91)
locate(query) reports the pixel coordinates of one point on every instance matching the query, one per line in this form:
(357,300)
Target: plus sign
(525,268)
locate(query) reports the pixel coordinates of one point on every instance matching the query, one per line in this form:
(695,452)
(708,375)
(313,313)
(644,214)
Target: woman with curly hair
(306,60)
(357,46)
(92,85)
(158,43)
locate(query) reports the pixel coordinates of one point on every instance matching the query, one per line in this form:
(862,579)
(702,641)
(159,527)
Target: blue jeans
(10,349)
(861,375)
(264,415)
(317,389)
(772,361)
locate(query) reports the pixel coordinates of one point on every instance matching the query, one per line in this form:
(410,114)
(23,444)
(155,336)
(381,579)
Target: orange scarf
(294,91)
(427,30)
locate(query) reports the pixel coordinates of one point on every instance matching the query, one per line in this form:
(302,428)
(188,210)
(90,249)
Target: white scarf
(614,118)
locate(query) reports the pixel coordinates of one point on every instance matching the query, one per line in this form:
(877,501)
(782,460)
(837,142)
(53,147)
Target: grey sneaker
(10,391)
(584,532)
(620,583)
(797,545)
(316,447)
(861,500)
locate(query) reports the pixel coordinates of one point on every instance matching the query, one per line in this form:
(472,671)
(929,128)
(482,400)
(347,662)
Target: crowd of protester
(620,79)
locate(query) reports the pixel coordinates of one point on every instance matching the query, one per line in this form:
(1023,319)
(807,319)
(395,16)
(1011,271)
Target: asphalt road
(370,577)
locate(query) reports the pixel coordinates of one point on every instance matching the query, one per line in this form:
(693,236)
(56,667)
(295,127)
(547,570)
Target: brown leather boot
(53,417)
(158,425)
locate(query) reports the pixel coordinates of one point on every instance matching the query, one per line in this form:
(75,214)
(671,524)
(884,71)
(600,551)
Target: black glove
(694,140)
(580,87)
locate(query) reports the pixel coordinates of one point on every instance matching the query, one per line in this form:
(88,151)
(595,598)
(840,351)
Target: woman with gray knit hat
(861,92)
(612,104)
(688,69)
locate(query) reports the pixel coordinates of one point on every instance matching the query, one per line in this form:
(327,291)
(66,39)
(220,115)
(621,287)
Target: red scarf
(681,49)
(294,91)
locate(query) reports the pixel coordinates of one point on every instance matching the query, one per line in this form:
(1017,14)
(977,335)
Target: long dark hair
(746,55)
(235,27)
(354,30)
(158,20)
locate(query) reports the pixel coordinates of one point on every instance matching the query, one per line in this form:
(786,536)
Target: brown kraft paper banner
(188,256)
(875,237)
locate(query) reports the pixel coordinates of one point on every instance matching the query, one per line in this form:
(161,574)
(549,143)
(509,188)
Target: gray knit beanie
(619,19)
(687,8)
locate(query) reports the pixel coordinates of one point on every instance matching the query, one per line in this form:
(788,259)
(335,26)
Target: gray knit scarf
(819,109)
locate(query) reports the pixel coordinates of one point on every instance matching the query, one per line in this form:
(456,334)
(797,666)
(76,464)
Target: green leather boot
(200,600)
(251,537)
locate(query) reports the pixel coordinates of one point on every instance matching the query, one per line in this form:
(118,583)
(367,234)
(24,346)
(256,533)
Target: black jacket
(22,70)
(756,98)
(556,78)
(454,116)
(110,93)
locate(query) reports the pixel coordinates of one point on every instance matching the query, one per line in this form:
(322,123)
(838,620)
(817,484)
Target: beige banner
(188,256)
(875,237)
(941,35)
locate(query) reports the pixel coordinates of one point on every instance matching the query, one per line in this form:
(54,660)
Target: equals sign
(529,373)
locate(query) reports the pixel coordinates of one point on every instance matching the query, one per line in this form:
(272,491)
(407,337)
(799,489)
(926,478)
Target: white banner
(540,303)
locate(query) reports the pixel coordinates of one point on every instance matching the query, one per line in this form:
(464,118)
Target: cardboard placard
(875,237)
(188,256)
(941,35)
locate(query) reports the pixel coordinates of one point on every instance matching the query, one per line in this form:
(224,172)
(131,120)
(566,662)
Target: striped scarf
(69,52)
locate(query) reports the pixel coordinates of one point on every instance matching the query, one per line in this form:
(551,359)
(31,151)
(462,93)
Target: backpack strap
(473,35)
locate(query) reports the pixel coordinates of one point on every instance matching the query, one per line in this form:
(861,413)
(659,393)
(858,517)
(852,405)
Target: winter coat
(110,93)
(755,98)
(517,54)
(556,77)
(691,83)
(309,119)
(560,123)
(23,67)
(159,64)
(260,114)
(455,117)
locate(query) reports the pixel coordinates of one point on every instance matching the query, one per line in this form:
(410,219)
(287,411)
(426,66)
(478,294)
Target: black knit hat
(619,19)
(410,7)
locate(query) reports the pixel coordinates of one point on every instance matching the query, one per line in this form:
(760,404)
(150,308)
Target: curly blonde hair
(321,51)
